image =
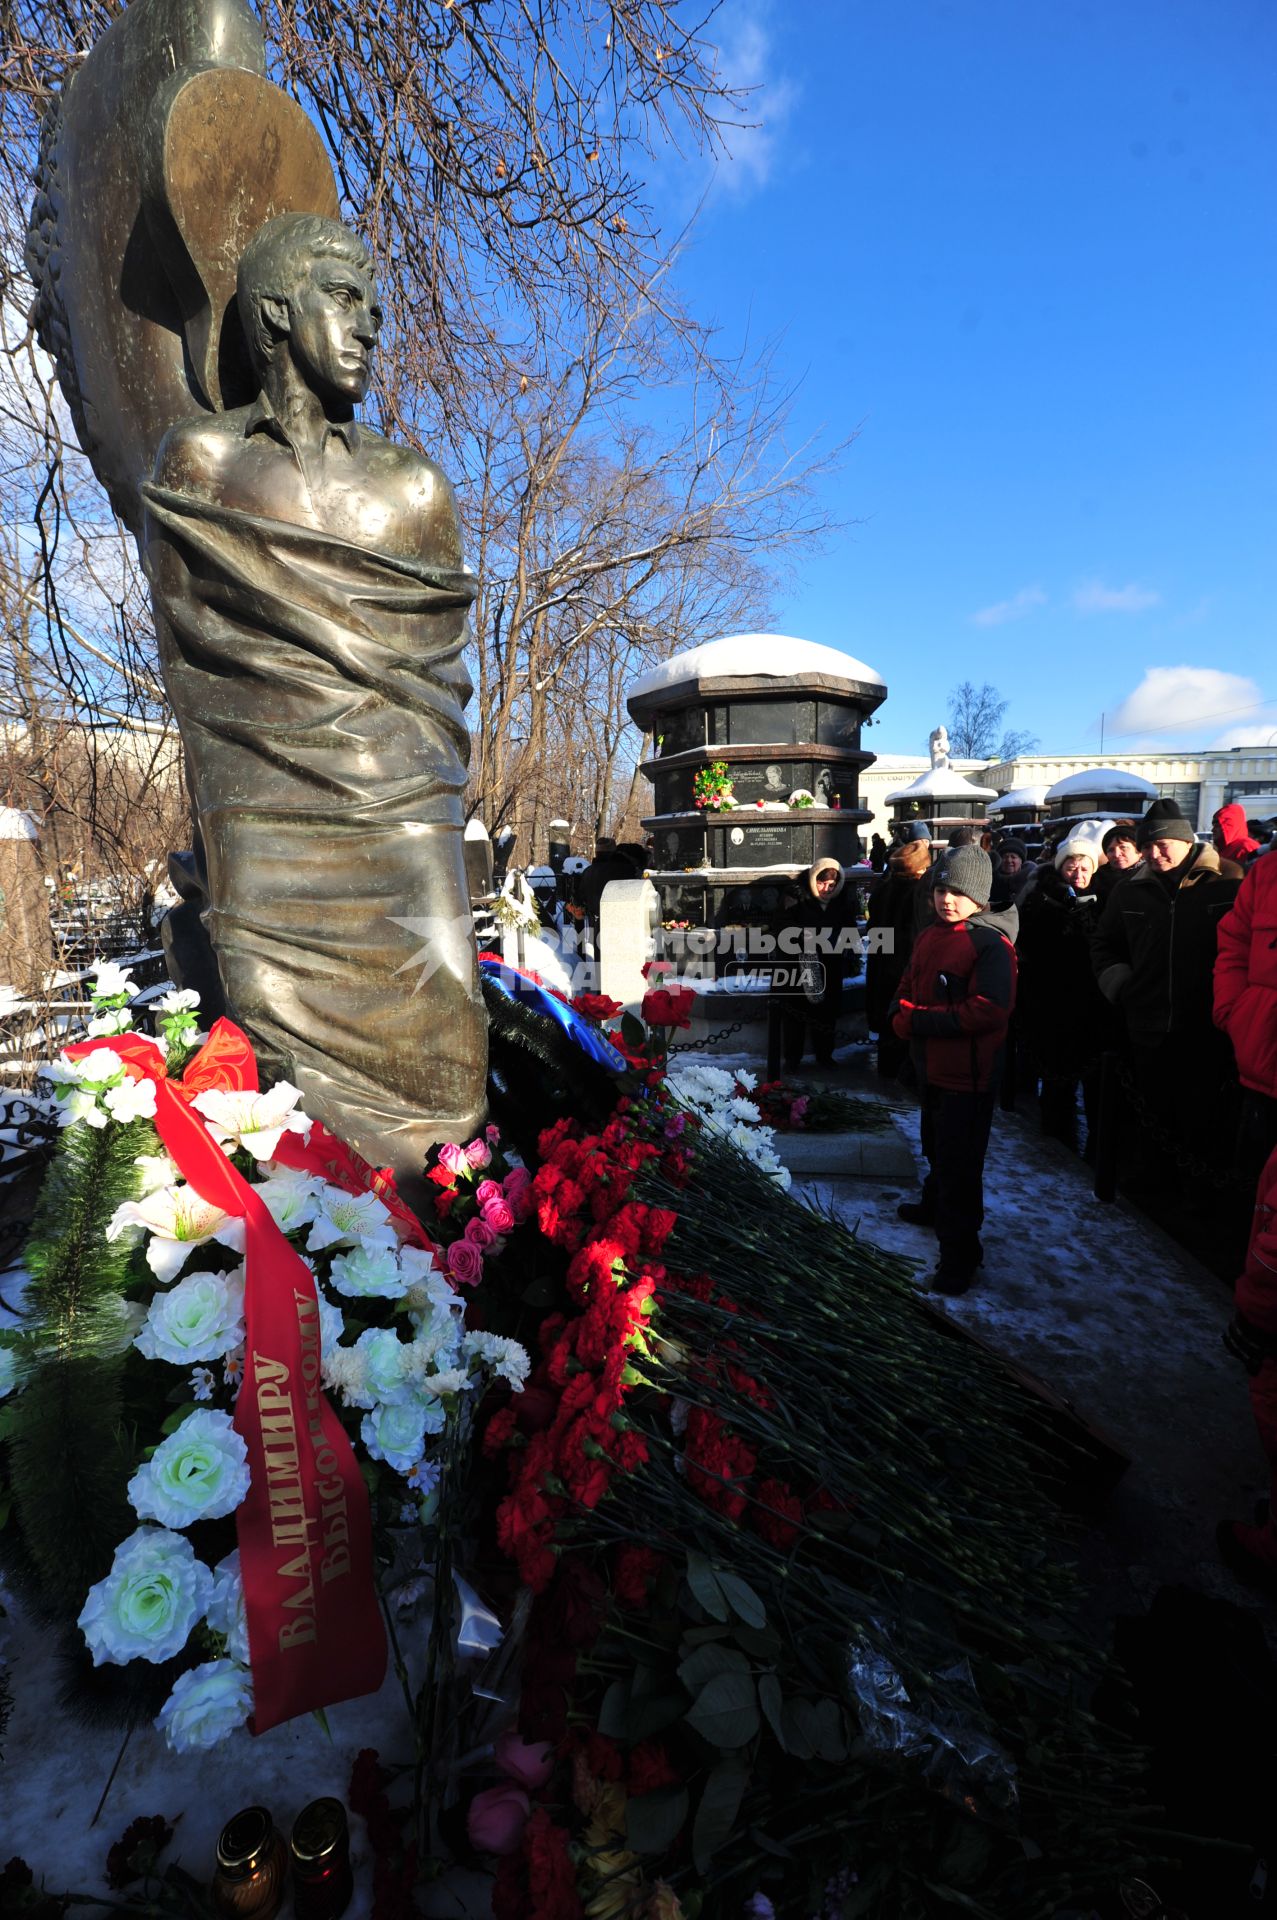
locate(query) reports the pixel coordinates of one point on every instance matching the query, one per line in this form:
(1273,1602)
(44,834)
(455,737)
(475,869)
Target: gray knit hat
(968,870)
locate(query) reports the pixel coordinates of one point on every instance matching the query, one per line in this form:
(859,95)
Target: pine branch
(69,1460)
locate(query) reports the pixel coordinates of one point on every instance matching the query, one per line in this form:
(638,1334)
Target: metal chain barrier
(710,1040)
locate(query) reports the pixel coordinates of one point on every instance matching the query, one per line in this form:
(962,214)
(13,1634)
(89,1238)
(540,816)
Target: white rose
(78,1103)
(290,1197)
(385,1358)
(201,1318)
(367,1273)
(396,1434)
(206,1705)
(227,1610)
(199,1473)
(145,1608)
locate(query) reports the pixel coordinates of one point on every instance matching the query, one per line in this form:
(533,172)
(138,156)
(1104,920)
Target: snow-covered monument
(755,765)
(942,798)
(1099,791)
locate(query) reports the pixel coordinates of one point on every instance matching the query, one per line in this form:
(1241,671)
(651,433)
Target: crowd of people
(1127,978)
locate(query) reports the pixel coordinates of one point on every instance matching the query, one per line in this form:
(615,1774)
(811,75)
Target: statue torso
(357,485)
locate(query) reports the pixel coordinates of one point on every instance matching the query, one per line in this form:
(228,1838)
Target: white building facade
(1201,783)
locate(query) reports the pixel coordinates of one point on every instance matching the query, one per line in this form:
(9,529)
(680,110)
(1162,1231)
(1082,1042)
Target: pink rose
(478,1154)
(517,1187)
(528,1762)
(798,1112)
(487,1190)
(479,1234)
(499,1215)
(452,1158)
(497,1818)
(465,1263)
(492,1133)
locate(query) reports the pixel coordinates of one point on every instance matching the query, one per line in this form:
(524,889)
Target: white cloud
(1015,608)
(1175,699)
(748,58)
(1258,732)
(1094,597)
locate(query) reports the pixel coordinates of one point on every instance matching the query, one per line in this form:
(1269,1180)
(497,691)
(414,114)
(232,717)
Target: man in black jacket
(1154,959)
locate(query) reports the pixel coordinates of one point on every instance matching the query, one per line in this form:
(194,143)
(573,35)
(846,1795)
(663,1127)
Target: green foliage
(69,1500)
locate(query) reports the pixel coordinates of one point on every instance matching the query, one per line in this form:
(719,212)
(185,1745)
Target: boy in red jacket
(953,1005)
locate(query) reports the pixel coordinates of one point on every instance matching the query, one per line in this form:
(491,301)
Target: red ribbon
(315,1631)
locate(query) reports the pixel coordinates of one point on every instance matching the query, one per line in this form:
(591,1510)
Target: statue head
(306,289)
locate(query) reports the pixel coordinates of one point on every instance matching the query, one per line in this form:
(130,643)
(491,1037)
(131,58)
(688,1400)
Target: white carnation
(507,1359)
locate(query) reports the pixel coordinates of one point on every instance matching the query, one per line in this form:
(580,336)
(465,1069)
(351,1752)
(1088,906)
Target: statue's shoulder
(417,484)
(196,452)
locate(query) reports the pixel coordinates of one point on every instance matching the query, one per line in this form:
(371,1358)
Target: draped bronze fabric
(319,690)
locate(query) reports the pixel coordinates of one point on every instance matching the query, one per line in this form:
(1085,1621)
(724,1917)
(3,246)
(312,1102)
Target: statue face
(334,318)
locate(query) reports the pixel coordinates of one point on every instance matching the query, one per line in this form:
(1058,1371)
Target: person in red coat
(1246,1007)
(953,1006)
(1251,1551)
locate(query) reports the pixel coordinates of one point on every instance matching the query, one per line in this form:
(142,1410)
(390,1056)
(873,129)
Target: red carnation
(551,1874)
(499,1432)
(777,1514)
(650,1768)
(634,1569)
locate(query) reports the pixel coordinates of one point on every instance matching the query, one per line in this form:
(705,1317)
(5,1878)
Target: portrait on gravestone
(310,594)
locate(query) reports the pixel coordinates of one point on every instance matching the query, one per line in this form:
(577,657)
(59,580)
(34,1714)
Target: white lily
(349,1219)
(177,1220)
(254,1121)
(109,980)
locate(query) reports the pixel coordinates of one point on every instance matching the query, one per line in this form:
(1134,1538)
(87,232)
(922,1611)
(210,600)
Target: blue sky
(1026,249)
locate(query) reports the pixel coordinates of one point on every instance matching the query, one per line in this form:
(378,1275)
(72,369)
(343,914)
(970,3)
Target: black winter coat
(1066,1019)
(892,908)
(1154,951)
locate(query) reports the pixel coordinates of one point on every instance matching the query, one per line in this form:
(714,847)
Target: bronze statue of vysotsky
(311,607)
